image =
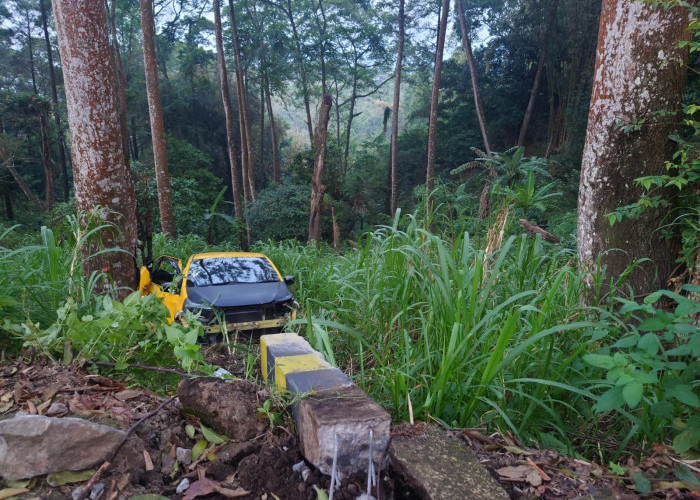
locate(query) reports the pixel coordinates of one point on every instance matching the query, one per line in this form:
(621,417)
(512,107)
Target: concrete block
(287,365)
(348,413)
(267,341)
(317,380)
(283,350)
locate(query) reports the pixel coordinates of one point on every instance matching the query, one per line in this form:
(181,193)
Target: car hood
(239,294)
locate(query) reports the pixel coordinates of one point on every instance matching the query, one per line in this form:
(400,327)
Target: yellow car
(244,288)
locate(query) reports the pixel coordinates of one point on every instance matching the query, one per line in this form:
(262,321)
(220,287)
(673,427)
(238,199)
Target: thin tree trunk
(246,149)
(351,116)
(54,99)
(538,74)
(155,111)
(476,92)
(337,112)
(276,170)
(228,113)
(395,115)
(101,177)
(38,202)
(48,164)
(317,187)
(302,70)
(121,81)
(43,131)
(261,165)
(432,124)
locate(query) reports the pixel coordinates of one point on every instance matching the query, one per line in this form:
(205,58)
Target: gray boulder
(33,445)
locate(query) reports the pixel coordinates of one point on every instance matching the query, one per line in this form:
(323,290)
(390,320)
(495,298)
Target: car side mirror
(289,280)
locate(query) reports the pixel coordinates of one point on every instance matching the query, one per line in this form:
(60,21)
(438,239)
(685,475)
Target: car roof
(219,255)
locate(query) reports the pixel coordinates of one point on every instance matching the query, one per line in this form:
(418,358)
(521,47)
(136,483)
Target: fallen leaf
(50,393)
(659,449)
(69,477)
(200,488)
(538,469)
(11,492)
(517,473)
(128,394)
(238,492)
(674,485)
(320,494)
(534,478)
(31,407)
(516,450)
(147,460)
(6,407)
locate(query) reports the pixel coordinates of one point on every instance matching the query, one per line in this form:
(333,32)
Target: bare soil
(261,467)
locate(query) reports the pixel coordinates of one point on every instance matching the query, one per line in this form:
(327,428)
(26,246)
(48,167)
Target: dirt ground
(262,468)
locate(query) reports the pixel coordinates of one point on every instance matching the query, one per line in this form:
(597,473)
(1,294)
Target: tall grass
(471,337)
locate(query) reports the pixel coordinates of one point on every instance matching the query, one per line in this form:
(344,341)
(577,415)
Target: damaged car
(239,290)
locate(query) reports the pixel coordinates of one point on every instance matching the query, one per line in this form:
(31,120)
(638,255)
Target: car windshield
(230,270)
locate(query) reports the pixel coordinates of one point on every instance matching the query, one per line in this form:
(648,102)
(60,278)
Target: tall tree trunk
(317,187)
(46,160)
(9,163)
(228,113)
(302,70)
(476,92)
(155,111)
(246,149)
(351,116)
(261,165)
(276,168)
(121,81)
(337,112)
(395,114)
(54,99)
(631,79)
(538,74)
(101,177)
(50,197)
(432,124)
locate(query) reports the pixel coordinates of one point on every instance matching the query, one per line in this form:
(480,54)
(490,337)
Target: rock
(167,465)
(230,406)
(97,491)
(184,455)
(80,492)
(33,445)
(348,413)
(438,467)
(57,409)
(182,487)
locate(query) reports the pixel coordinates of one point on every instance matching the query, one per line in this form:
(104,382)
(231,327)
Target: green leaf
(599,360)
(641,483)
(172,333)
(685,394)
(632,393)
(653,324)
(320,494)
(616,469)
(689,437)
(199,448)
(190,430)
(683,472)
(649,343)
(212,436)
(610,400)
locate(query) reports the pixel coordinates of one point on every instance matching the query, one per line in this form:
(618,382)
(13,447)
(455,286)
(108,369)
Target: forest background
(489,138)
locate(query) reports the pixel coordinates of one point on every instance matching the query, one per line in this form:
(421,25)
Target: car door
(164,278)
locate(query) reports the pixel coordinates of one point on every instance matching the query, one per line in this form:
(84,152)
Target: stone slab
(437,467)
(348,413)
(317,380)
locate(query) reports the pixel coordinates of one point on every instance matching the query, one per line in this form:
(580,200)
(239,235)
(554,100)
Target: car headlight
(204,312)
